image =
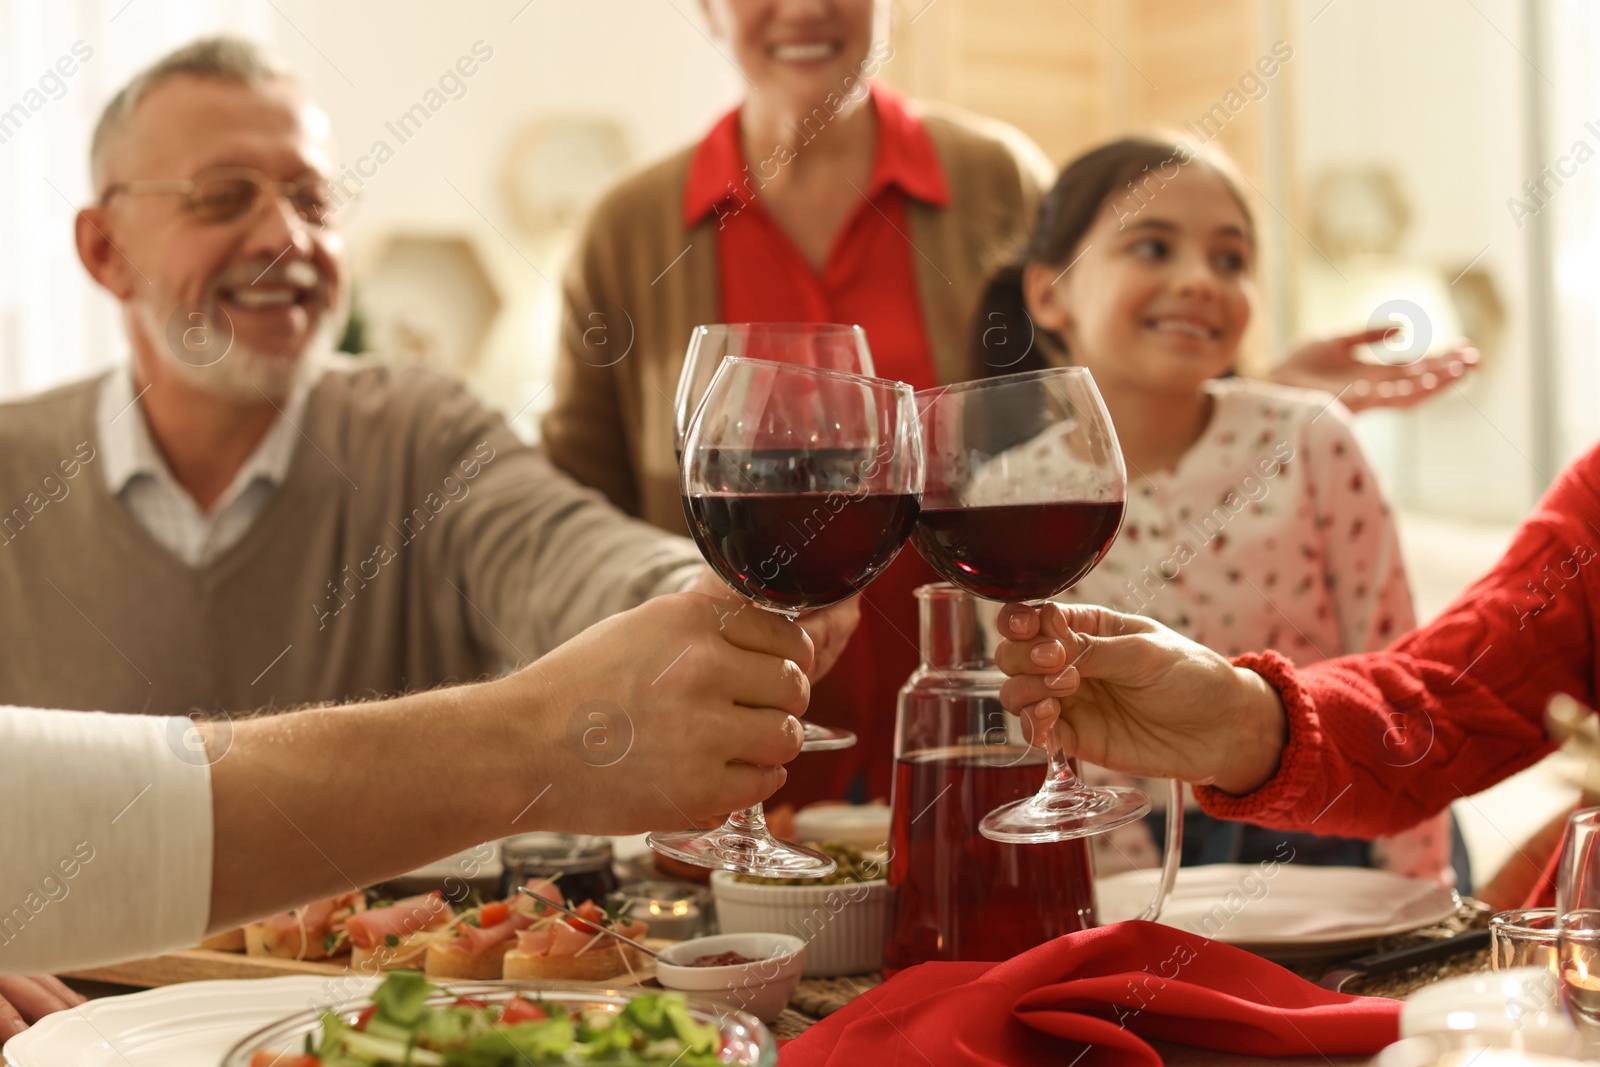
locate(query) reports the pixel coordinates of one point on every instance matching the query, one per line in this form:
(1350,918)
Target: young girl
(1253,519)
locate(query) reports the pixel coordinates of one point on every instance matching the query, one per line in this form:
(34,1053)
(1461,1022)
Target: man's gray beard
(243,375)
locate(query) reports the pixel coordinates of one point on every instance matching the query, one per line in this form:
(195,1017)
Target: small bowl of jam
(756,973)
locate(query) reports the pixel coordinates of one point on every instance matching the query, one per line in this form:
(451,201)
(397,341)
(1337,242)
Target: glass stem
(751,821)
(1059,777)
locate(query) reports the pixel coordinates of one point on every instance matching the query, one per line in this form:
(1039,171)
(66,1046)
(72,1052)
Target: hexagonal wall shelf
(429,300)
(559,166)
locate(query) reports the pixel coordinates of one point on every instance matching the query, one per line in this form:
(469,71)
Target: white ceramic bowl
(843,926)
(762,988)
(866,826)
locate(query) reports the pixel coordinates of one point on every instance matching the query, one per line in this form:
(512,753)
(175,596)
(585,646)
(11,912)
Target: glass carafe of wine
(960,895)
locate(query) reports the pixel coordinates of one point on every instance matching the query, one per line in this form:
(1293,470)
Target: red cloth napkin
(1090,999)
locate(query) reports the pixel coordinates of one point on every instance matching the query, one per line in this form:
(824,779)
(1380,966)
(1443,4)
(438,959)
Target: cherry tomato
(493,914)
(522,1011)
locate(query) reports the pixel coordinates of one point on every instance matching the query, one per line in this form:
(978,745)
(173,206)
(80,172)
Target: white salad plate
(1283,911)
(192,1024)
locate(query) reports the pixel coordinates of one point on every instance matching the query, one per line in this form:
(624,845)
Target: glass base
(825,738)
(729,849)
(1064,814)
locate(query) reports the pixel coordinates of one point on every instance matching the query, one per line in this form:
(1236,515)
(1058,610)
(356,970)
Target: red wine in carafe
(958,895)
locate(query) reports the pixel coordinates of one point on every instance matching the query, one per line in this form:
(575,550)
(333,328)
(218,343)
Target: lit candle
(675,920)
(1578,975)
(1580,972)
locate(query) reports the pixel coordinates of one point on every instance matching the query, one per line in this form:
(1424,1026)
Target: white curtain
(60,62)
(1573,137)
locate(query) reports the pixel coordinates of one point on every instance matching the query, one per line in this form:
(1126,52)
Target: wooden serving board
(204,964)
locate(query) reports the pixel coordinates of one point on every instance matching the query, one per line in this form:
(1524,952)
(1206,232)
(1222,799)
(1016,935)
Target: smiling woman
(826,198)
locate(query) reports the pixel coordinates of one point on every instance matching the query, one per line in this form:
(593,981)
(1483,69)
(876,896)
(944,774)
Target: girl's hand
(1330,364)
(1134,696)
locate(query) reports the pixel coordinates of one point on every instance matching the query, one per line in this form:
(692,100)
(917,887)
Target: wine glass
(1578,917)
(801,486)
(1024,495)
(828,345)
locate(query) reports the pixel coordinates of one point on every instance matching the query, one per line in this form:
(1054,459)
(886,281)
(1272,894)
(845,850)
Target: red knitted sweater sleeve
(1377,742)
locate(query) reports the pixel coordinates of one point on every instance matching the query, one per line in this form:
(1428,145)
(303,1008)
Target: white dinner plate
(192,1024)
(1283,911)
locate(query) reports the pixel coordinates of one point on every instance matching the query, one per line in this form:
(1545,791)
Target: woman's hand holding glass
(1133,695)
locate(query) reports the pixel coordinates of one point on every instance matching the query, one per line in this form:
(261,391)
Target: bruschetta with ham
(476,944)
(382,939)
(562,948)
(227,941)
(313,932)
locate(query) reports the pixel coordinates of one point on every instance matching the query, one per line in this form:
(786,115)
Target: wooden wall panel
(1071,73)
(1074,73)
(1033,63)
(1198,51)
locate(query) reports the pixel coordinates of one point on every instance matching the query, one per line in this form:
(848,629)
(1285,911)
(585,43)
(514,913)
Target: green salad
(402,1029)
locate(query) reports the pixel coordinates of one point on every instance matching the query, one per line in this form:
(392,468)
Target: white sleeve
(105,838)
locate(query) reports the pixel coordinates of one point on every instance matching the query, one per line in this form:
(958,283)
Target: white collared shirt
(138,475)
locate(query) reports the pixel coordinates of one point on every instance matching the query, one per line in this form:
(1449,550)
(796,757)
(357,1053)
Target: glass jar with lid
(580,863)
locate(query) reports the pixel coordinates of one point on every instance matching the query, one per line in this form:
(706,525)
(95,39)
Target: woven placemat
(1470,915)
(818,998)
(791,1024)
(821,997)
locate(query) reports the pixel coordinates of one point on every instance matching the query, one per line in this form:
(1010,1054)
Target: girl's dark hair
(1005,339)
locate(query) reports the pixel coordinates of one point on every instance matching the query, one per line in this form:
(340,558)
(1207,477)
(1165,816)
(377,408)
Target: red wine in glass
(1023,496)
(1018,552)
(826,346)
(795,552)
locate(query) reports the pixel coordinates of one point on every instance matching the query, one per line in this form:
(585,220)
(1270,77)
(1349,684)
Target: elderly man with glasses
(241,519)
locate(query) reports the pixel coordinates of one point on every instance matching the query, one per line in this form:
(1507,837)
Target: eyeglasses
(231,193)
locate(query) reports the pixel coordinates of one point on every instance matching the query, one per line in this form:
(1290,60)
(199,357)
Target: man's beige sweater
(415,541)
